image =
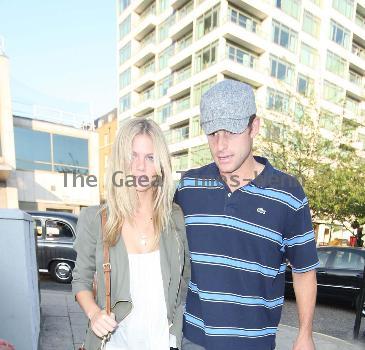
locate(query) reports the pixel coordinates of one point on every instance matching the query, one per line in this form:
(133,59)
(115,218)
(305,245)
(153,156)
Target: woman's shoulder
(90,213)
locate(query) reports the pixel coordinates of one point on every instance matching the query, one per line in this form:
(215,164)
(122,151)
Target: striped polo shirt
(239,245)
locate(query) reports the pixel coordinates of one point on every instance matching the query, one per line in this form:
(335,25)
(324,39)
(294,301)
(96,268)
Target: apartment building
(106,127)
(171,52)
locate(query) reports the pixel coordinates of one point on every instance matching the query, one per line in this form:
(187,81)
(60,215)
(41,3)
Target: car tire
(61,271)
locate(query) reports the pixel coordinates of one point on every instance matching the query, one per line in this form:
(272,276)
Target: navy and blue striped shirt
(239,245)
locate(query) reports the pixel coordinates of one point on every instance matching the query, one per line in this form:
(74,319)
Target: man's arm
(305,288)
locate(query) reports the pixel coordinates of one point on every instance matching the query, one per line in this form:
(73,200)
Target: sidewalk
(63,327)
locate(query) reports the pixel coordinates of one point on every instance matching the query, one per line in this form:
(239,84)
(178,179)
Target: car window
(346,259)
(323,255)
(56,230)
(38,228)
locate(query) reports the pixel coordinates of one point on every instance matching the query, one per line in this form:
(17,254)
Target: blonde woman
(149,256)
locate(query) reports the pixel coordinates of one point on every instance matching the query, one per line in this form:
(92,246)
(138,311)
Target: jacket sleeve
(184,283)
(85,247)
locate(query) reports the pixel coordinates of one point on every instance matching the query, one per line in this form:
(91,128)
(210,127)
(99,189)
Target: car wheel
(61,271)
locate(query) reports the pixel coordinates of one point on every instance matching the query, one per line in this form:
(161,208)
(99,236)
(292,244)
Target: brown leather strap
(106,265)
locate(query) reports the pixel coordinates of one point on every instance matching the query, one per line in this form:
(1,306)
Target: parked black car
(55,233)
(339,274)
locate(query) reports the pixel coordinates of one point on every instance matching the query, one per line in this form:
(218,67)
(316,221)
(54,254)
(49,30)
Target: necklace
(143,238)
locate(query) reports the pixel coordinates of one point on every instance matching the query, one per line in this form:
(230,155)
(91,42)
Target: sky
(62,54)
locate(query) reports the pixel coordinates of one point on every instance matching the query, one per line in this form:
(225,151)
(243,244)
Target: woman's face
(142,162)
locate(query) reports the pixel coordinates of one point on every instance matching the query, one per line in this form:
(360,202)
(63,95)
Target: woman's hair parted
(122,201)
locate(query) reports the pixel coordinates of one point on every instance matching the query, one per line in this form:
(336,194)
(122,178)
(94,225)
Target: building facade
(43,164)
(106,128)
(172,52)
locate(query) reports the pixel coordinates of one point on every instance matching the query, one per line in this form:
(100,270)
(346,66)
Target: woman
(149,256)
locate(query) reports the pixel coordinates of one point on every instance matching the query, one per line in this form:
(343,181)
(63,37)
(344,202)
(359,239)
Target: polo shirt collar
(261,180)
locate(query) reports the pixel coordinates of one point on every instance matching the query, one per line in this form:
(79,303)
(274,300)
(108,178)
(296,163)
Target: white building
(171,52)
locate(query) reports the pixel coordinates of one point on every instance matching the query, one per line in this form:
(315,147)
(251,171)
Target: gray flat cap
(227,105)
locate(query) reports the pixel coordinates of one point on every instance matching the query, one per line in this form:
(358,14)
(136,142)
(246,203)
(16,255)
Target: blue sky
(62,53)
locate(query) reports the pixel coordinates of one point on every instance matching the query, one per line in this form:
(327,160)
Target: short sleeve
(299,241)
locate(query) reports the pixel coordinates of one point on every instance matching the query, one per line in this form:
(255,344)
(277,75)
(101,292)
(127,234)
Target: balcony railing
(355,78)
(243,57)
(183,43)
(147,94)
(360,20)
(181,105)
(358,51)
(244,21)
(148,39)
(151,10)
(177,135)
(180,162)
(182,75)
(187,8)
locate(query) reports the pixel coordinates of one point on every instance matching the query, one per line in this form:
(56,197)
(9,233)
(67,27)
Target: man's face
(230,150)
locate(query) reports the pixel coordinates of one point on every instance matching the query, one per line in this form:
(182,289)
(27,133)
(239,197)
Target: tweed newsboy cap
(227,105)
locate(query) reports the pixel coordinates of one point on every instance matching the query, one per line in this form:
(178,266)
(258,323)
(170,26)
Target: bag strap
(106,265)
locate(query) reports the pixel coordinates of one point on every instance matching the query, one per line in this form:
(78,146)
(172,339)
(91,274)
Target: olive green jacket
(175,269)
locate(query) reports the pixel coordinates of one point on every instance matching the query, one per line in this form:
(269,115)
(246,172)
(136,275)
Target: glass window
(207,22)
(239,55)
(284,36)
(311,24)
(70,151)
(291,7)
(163,30)
(277,100)
(125,53)
(346,7)
(323,256)
(308,55)
(163,85)
(125,102)
(336,64)
(163,113)
(125,78)
(206,57)
(348,260)
(56,230)
(36,157)
(125,27)
(202,87)
(332,92)
(304,85)
(242,19)
(123,4)
(329,121)
(339,34)
(164,56)
(281,70)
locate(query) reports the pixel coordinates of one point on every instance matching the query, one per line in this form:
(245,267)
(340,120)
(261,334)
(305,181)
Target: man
(244,219)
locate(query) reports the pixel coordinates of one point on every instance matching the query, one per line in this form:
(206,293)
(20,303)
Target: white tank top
(146,326)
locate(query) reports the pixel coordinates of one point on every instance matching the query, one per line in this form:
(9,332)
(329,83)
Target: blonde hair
(122,201)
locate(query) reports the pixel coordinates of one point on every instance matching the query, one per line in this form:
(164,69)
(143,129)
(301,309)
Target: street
(63,323)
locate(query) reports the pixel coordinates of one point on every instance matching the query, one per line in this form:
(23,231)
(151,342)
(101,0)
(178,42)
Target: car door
(59,238)
(344,272)
(324,257)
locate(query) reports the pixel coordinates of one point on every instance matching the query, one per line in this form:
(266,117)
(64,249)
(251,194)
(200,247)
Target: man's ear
(255,127)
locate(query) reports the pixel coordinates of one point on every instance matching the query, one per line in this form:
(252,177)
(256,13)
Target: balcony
(180,162)
(147,50)
(358,56)
(242,65)
(183,23)
(177,135)
(245,31)
(181,85)
(148,22)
